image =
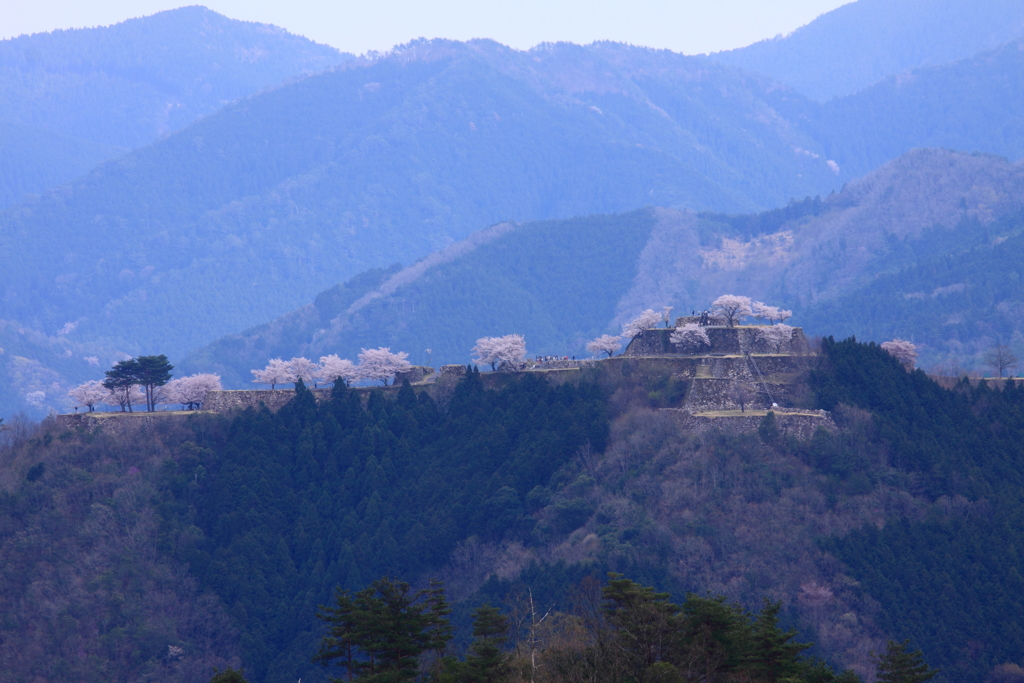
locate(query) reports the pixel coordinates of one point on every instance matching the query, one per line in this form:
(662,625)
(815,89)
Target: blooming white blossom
(903,350)
(380,365)
(333,368)
(690,335)
(763,311)
(645,321)
(733,307)
(191,391)
(494,351)
(606,343)
(776,336)
(304,369)
(90,394)
(276,372)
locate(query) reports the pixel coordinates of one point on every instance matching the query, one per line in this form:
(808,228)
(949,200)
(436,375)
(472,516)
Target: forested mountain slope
(562,283)
(862,42)
(101,91)
(967,106)
(251,211)
(496,491)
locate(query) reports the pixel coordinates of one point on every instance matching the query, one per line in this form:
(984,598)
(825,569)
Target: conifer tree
(229,675)
(379,633)
(773,655)
(486,662)
(901,665)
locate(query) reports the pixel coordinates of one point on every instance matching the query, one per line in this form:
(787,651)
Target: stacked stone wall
(801,425)
(723,341)
(274,400)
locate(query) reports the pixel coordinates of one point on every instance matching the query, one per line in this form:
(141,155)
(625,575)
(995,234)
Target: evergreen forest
(212,541)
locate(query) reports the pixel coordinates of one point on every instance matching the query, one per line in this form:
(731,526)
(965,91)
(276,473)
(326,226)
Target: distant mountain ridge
(369,164)
(562,283)
(860,43)
(251,211)
(124,86)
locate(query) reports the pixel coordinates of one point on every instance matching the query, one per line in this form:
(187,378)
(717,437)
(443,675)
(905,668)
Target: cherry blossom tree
(191,391)
(380,365)
(645,321)
(690,335)
(606,343)
(304,369)
(333,368)
(494,351)
(763,311)
(776,336)
(276,372)
(88,395)
(733,307)
(666,315)
(902,350)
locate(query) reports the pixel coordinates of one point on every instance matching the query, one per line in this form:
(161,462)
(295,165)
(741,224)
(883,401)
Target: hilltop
(74,98)
(562,283)
(860,43)
(224,532)
(302,186)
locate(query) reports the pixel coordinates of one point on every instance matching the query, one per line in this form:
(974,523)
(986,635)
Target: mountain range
(249,211)
(562,283)
(860,43)
(70,99)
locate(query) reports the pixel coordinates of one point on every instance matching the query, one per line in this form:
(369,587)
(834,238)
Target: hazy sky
(689,26)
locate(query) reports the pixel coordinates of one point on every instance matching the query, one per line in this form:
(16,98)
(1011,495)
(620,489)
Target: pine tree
(486,662)
(773,655)
(228,676)
(900,665)
(379,633)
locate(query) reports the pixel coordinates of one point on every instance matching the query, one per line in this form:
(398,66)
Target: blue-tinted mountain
(250,212)
(562,283)
(971,105)
(863,42)
(123,86)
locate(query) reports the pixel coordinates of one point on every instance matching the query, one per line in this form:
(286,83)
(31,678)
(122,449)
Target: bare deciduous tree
(733,307)
(645,321)
(742,394)
(381,365)
(902,350)
(1000,358)
(606,343)
(494,351)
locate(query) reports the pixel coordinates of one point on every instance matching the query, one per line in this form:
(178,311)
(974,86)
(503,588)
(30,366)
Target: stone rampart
(695,320)
(240,399)
(801,425)
(415,374)
(724,341)
(122,423)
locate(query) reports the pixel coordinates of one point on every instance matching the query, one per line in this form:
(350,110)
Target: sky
(688,26)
